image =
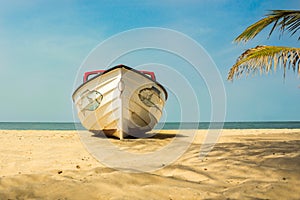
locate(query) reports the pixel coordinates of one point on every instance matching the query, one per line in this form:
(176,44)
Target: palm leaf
(285,20)
(263,58)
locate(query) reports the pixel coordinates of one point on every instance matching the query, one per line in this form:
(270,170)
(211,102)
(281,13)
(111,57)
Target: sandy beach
(244,164)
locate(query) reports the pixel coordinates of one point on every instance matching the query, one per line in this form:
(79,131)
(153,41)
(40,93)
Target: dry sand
(244,164)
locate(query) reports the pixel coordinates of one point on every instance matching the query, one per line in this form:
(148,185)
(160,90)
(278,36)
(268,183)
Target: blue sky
(43,44)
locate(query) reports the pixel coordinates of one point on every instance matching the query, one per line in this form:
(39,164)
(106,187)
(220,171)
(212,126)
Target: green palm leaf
(283,19)
(264,58)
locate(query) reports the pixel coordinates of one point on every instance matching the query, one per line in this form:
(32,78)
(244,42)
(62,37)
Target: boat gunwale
(117,67)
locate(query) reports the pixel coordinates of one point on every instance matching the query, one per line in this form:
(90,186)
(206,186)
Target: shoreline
(160,126)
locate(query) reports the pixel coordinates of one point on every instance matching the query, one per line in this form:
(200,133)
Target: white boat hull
(120,102)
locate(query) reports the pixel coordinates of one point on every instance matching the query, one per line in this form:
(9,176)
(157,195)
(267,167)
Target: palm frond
(285,20)
(263,58)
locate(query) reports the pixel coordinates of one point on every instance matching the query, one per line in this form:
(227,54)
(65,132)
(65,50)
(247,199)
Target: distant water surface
(168,125)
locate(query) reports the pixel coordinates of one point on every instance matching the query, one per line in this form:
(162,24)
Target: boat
(120,101)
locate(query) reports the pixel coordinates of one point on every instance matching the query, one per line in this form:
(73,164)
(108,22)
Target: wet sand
(244,164)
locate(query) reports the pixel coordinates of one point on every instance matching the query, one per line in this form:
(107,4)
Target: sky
(43,44)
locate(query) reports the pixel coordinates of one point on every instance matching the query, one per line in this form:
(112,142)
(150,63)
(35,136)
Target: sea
(164,126)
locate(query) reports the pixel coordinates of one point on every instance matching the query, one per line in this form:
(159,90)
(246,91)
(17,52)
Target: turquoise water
(168,125)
